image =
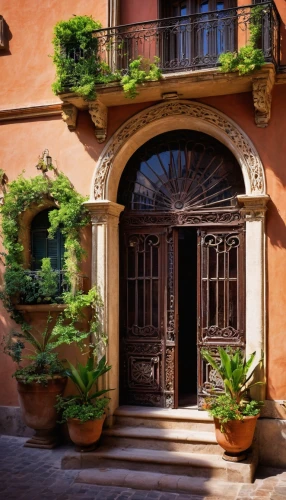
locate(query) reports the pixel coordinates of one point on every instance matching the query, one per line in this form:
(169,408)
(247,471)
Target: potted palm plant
(235,415)
(39,381)
(84,412)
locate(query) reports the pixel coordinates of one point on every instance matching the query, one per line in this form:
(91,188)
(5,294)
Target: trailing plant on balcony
(78,65)
(249,57)
(78,68)
(140,70)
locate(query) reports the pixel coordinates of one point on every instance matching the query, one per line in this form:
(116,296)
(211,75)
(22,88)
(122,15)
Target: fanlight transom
(181,171)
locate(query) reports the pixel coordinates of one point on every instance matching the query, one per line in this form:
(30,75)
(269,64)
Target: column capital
(104,211)
(253,206)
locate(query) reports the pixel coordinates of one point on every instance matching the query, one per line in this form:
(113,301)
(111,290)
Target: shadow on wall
(5,38)
(275,226)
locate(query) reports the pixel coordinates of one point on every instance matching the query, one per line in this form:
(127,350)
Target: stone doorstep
(182,435)
(159,482)
(169,462)
(187,414)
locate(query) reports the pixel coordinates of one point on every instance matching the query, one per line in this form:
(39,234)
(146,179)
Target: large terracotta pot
(85,435)
(37,403)
(236,438)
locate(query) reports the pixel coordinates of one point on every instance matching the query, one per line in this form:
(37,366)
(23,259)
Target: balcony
(188,49)
(192,42)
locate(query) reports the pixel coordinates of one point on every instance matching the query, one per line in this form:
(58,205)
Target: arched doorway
(182,267)
(105,211)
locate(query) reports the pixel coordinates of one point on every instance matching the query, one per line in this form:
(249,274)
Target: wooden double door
(182,288)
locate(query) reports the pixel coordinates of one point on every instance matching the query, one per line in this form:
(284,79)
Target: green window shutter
(42,246)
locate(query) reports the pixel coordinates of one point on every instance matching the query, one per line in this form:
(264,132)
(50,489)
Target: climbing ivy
(69,215)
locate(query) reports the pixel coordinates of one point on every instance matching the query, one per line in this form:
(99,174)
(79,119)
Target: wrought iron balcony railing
(36,293)
(191,42)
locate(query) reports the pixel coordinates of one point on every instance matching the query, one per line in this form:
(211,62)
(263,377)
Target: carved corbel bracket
(69,115)
(262,95)
(253,207)
(98,113)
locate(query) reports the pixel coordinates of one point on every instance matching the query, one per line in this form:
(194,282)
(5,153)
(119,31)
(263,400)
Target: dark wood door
(148,317)
(221,299)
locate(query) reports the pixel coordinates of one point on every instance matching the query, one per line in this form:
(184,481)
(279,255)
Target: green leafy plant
(236,373)
(69,215)
(78,67)
(41,347)
(48,281)
(225,408)
(140,70)
(249,57)
(234,370)
(88,403)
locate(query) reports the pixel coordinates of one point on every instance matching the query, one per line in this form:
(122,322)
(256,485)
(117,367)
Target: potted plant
(39,382)
(42,377)
(235,415)
(85,412)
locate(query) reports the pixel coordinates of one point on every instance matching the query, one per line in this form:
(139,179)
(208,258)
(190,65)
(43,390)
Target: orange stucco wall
(26,76)
(27,72)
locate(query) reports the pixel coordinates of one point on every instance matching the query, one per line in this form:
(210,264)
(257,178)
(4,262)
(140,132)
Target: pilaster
(253,210)
(105,275)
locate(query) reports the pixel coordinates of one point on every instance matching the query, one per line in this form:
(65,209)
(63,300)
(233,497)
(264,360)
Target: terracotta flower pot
(37,403)
(85,435)
(236,438)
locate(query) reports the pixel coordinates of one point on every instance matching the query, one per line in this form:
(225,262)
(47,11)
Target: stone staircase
(172,450)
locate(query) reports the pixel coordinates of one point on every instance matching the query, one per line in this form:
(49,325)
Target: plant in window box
(84,412)
(235,415)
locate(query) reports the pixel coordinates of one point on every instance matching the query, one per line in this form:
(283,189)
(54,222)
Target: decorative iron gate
(177,179)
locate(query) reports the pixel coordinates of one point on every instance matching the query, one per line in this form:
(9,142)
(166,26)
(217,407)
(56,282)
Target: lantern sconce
(45,162)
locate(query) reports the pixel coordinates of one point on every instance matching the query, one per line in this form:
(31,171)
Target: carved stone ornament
(262,96)
(215,120)
(253,207)
(69,115)
(98,113)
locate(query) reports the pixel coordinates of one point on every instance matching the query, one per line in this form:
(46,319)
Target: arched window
(43,246)
(181,170)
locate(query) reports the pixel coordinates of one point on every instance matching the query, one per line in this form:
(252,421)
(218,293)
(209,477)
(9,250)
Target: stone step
(168,462)
(160,482)
(161,439)
(181,418)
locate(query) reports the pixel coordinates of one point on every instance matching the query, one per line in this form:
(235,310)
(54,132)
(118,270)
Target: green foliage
(78,67)
(248,58)
(236,374)
(48,281)
(225,408)
(72,409)
(69,216)
(42,367)
(87,404)
(140,71)
(234,370)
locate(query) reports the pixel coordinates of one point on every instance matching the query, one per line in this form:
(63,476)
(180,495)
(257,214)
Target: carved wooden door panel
(147,337)
(221,299)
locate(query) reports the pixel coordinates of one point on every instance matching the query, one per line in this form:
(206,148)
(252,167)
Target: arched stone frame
(105,213)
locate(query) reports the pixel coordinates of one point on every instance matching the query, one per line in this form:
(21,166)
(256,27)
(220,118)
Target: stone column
(105,275)
(253,210)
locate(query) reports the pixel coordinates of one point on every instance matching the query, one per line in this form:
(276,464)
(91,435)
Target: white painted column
(254,208)
(105,275)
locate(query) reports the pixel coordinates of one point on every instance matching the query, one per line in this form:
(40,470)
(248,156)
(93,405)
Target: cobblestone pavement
(33,474)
